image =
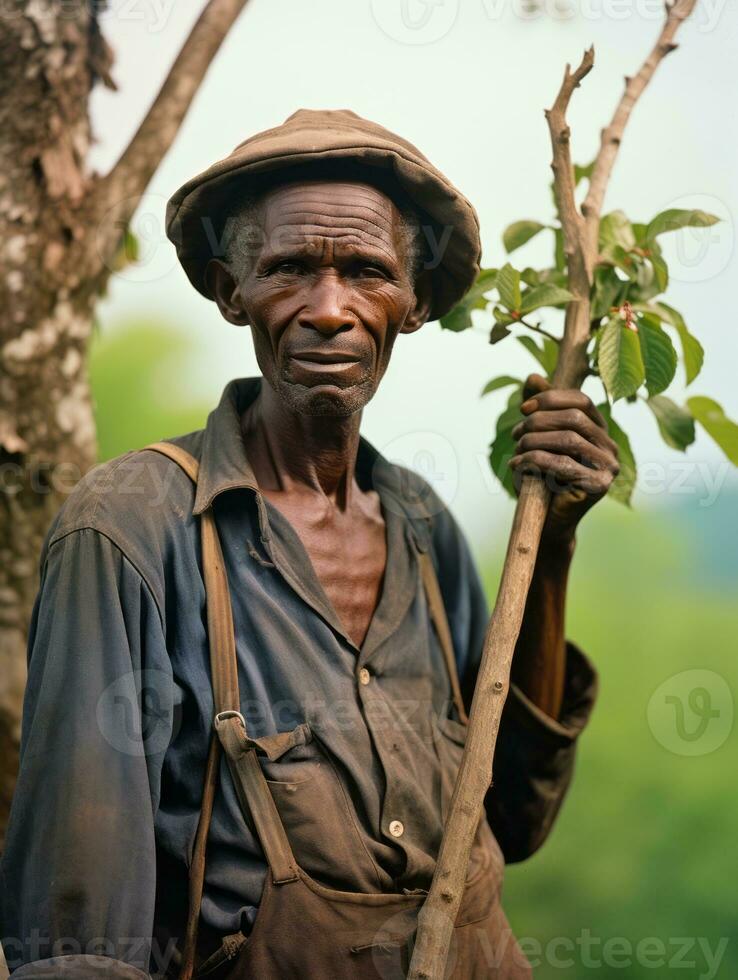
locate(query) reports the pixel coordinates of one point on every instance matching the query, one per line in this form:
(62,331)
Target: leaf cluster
(637,339)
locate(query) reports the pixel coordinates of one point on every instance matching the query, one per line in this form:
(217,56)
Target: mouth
(342,368)
(327,357)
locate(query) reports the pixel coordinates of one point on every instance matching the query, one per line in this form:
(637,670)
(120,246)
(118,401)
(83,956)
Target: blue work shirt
(119,707)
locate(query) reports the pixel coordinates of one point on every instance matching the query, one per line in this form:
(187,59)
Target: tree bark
(48,66)
(60,228)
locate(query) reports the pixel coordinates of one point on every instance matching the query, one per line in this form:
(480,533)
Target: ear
(223,288)
(423,300)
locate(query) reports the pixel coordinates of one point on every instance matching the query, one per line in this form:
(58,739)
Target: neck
(291,452)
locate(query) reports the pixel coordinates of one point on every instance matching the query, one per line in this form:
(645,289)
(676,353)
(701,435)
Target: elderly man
(279,615)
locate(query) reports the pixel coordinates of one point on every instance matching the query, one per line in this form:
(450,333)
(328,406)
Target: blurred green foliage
(139,374)
(645,844)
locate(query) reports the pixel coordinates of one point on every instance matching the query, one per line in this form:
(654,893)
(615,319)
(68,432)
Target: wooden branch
(131,174)
(564,187)
(676,12)
(572,363)
(438,914)
(537,328)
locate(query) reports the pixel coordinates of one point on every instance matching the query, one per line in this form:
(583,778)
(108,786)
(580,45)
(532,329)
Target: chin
(326,400)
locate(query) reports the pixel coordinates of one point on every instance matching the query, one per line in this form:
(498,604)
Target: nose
(325,310)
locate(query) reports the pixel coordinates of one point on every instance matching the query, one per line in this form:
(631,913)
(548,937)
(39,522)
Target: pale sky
(466,81)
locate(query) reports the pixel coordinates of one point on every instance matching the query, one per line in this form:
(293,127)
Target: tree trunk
(49,62)
(60,230)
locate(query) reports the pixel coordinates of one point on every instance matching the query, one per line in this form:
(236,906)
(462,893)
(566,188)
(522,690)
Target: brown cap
(310,140)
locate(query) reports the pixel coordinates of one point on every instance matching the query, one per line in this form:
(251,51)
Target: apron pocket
(318,817)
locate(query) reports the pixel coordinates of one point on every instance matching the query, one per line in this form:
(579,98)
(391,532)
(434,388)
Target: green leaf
(692,350)
(485,281)
(498,332)
(644,277)
(520,232)
(459,318)
(502,448)
(508,286)
(583,172)
(627,261)
(531,277)
(616,229)
(619,360)
(639,230)
(544,295)
(607,286)
(660,272)
(128,251)
(622,486)
(716,423)
(503,317)
(675,218)
(502,382)
(547,355)
(554,276)
(675,423)
(559,254)
(659,356)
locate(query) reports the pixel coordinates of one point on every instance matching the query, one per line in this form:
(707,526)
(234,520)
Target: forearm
(539,664)
(79,866)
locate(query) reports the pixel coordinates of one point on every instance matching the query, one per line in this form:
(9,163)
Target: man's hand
(564,440)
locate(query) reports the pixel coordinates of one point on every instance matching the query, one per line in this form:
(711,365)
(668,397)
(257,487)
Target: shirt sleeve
(534,760)
(79,868)
(535,754)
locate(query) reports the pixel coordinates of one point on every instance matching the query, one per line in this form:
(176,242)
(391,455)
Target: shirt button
(397,828)
(364,676)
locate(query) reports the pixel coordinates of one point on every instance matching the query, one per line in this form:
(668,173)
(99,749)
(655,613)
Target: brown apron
(304,929)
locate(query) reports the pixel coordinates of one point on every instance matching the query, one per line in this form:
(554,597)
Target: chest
(348,553)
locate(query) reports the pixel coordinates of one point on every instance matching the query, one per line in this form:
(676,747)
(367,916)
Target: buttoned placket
(399,589)
(375,706)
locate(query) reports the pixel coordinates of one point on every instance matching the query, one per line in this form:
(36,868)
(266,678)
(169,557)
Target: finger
(561,473)
(569,443)
(555,399)
(534,384)
(566,418)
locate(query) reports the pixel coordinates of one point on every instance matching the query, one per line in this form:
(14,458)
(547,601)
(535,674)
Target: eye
(287,267)
(371,271)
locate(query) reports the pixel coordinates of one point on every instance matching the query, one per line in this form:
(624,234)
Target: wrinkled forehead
(344,212)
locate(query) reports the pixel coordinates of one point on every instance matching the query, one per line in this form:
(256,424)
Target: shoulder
(140,501)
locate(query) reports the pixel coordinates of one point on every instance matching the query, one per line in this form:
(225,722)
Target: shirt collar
(224,465)
(223,461)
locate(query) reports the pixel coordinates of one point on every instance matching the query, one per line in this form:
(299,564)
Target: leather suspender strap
(253,793)
(440,621)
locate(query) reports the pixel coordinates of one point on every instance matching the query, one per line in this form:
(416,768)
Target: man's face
(326,293)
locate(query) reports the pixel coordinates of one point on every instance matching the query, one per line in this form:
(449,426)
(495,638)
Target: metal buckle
(224,715)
